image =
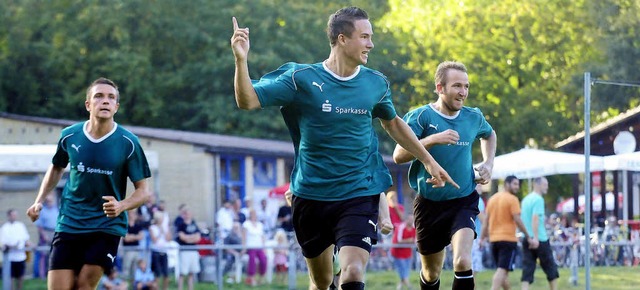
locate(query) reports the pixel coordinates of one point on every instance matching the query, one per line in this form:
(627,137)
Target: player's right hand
(34,211)
(446,137)
(240,41)
(288,196)
(439,176)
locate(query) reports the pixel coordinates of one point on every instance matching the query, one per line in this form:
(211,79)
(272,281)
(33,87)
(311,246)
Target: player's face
(358,45)
(103,101)
(455,91)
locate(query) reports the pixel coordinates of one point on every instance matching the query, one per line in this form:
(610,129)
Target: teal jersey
(330,121)
(455,159)
(98,167)
(533,204)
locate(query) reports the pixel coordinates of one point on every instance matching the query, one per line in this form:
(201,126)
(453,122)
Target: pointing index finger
(235,23)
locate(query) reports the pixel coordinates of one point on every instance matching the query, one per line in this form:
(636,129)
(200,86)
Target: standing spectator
(503,216)
(225,219)
(143,278)
(160,239)
(46,228)
(284,218)
(237,211)
(396,210)
(15,238)
(112,281)
(161,207)
(539,247)
(404,233)
(232,255)
(188,235)
(281,256)
(476,252)
(267,217)
(253,241)
(131,243)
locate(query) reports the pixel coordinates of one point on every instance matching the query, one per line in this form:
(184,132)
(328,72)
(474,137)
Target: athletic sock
(352,286)
(424,285)
(463,280)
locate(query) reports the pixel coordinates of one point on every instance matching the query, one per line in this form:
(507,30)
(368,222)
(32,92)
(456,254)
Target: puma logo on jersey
(375,226)
(77,147)
(317,85)
(434,126)
(111,257)
(367,240)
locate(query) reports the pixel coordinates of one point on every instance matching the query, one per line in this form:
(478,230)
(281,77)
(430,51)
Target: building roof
(210,142)
(623,117)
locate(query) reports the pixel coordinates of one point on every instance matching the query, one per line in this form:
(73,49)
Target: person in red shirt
(405,233)
(396,210)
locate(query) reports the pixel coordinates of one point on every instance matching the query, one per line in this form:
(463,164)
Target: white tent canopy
(37,158)
(531,163)
(626,161)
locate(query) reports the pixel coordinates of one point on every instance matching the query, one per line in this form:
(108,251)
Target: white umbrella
(531,163)
(626,161)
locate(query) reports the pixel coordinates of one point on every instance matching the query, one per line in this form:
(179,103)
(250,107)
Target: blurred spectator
(281,256)
(205,239)
(145,211)
(143,278)
(224,219)
(112,281)
(188,235)
(131,243)
(160,239)
(253,241)
(267,217)
(46,228)
(477,251)
(284,218)
(404,233)
(396,210)
(161,207)
(15,238)
(232,255)
(237,209)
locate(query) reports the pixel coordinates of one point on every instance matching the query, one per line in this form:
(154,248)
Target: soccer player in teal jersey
(335,184)
(101,155)
(444,215)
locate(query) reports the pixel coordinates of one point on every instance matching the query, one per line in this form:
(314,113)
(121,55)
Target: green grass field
(602,278)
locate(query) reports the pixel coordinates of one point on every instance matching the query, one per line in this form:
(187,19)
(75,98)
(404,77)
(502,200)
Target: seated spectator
(233,238)
(280,257)
(112,281)
(143,277)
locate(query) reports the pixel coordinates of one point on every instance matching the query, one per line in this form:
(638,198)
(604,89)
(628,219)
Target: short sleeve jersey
(455,159)
(533,204)
(186,228)
(501,208)
(98,167)
(337,149)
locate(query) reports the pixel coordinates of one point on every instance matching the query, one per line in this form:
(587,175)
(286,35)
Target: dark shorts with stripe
(72,251)
(437,221)
(504,254)
(320,224)
(547,262)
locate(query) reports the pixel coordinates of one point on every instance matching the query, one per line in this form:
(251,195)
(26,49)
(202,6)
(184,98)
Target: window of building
(232,184)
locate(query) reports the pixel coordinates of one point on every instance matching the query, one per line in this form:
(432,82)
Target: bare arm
(51,179)
(488,148)
(401,155)
(384,217)
(246,97)
(113,207)
(485,227)
(521,227)
(404,136)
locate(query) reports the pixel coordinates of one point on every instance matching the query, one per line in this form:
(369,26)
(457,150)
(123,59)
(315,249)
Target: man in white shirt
(225,219)
(15,238)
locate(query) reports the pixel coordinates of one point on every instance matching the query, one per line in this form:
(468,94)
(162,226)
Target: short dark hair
(510,178)
(103,81)
(341,22)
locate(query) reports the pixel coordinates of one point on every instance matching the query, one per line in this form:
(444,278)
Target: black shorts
(504,254)
(547,262)
(351,222)
(437,221)
(159,264)
(72,251)
(17,269)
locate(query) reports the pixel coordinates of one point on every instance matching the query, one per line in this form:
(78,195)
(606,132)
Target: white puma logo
(434,126)
(111,257)
(77,147)
(375,226)
(317,85)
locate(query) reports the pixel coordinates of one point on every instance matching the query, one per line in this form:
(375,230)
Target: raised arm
(246,97)
(51,179)
(404,136)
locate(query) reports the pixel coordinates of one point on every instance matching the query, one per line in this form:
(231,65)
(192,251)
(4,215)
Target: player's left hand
(386,227)
(483,173)
(112,208)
